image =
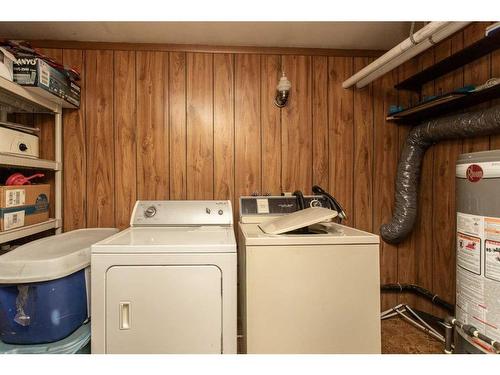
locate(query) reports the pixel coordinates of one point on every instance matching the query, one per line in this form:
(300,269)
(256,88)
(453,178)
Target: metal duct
(464,125)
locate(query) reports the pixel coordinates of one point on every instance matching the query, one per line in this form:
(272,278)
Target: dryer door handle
(124,315)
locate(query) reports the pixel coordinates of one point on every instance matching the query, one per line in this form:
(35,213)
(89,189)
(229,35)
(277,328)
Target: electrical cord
(333,202)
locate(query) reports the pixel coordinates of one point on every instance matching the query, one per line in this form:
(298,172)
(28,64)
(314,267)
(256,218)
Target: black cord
(333,202)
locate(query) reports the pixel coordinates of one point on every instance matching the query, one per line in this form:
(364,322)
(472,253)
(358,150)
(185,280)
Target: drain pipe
(464,125)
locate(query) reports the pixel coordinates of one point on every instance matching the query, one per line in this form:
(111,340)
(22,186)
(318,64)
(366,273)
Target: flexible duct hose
(464,125)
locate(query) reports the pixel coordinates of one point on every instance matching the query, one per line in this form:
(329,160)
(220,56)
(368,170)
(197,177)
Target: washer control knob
(150,211)
(220,212)
(207,210)
(315,203)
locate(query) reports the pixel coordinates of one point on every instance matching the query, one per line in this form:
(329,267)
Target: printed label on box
(13,220)
(44,74)
(15,198)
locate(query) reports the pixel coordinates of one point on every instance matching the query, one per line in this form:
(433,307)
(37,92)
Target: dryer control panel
(181,213)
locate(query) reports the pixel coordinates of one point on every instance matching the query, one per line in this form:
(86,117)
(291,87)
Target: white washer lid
(297,220)
(51,257)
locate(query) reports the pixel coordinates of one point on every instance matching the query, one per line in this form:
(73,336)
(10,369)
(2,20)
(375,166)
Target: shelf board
(474,51)
(24,162)
(29,230)
(444,105)
(15,98)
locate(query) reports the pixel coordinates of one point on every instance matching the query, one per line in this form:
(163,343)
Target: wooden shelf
(15,98)
(24,162)
(29,230)
(444,105)
(455,61)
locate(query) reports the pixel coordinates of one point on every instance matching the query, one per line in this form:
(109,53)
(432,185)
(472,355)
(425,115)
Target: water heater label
(469,252)
(478,272)
(474,173)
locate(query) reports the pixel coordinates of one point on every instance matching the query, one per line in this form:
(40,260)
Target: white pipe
(406,48)
(421,35)
(412,52)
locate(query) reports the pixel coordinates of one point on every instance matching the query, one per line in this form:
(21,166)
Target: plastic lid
(297,220)
(51,257)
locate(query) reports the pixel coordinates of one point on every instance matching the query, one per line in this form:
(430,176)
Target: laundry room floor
(400,337)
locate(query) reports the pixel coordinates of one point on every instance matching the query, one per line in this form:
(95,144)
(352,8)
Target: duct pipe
(463,125)
(412,52)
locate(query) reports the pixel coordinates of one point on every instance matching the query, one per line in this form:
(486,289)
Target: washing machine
(313,288)
(167,284)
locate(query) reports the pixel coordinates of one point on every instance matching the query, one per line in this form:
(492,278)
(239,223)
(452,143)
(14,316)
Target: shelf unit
(454,101)
(17,99)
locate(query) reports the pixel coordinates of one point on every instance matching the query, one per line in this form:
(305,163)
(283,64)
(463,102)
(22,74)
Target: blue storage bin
(44,287)
(52,310)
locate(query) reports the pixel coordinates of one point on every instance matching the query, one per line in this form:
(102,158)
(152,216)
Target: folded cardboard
(38,76)
(23,205)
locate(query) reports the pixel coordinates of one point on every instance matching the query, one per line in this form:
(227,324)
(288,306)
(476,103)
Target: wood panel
(385,164)
(223,126)
(75,153)
(445,155)
(200,126)
(495,72)
(178,140)
(296,126)
(363,153)
(408,253)
(125,137)
(320,136)
(476,73)
(152,133)
(271,125)
(341,134)
(205,126)
(422,235)
(85,45)
(247,125)
(99,121)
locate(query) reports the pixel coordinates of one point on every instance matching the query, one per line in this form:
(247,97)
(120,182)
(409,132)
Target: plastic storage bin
(44,287)
(76,343)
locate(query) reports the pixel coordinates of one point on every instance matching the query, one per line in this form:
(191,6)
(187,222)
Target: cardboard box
(47,81)
(23,205)
(6,64)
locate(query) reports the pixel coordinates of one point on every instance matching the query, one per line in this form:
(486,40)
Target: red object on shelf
(20,179)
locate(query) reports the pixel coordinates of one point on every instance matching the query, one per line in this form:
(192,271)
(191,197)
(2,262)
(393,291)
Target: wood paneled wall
(188,125)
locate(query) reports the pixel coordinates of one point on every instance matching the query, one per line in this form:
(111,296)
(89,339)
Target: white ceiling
(343,35)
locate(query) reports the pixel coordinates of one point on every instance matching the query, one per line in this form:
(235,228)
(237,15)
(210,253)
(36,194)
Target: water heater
(478,248)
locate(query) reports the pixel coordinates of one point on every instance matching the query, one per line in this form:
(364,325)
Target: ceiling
(342,35)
